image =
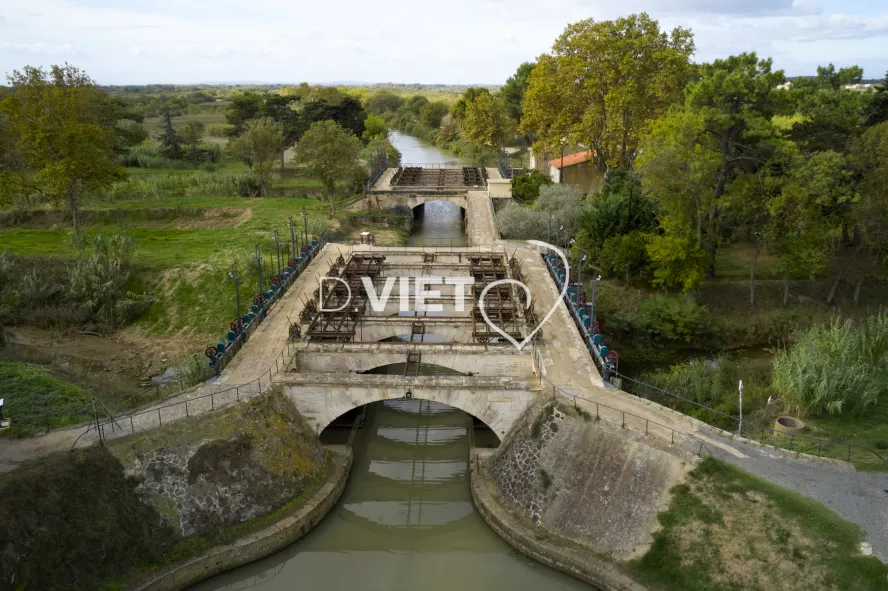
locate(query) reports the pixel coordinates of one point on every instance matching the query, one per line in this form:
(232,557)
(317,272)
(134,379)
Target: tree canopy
(329,153)
(588,92)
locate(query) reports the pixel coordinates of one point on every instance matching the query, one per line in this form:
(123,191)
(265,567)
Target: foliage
(33,394)
(522,223)
(512,92)
(97,282)
(259,146)
(587,90)
(869,157)
(677,259)
(458,110)
(170,142)
(432,112)
(877,110)
(485,122)
(383,102)
(620,208)
(625,256)
(329,153)
(242,108)
(375,128)
(220,130)
(192,133)
(72,521)
(64,130)
(565,203)
(835,368)
(665,319)
(526,187)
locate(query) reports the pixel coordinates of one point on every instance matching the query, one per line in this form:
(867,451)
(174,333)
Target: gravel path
(859,497)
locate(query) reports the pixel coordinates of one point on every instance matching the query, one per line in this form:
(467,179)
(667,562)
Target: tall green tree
(869,157)
(259,146)
(243,107)
(877,110)
(486,122)
(512,92)
(375,128)
(458,110)
(170,142)
(432,113)
(329,153)
(64,132)
(602,82)
(383,102)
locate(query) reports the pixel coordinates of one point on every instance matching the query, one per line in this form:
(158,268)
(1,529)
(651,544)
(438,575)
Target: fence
(816,446)
(650,428)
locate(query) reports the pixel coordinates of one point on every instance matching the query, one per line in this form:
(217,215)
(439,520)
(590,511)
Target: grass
(727,530)
(36,399)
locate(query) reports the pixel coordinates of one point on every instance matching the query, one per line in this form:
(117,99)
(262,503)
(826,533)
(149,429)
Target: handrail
(743,424)
(624,414)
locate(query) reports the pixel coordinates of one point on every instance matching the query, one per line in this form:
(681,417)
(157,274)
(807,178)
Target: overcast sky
(457,41)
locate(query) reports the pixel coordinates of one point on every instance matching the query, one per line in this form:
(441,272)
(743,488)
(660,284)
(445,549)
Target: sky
(452,42)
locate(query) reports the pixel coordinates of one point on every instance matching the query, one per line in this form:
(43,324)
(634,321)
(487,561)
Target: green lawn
(32,394)
(727,530)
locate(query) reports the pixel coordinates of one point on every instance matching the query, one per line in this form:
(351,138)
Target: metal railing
(765,435)
(430,246)
(457,165)
(651,428)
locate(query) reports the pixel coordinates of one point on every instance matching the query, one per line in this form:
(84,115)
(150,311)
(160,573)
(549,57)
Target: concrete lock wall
(498,408)
(386,201)
(257,545)
(501,188)
(371,332)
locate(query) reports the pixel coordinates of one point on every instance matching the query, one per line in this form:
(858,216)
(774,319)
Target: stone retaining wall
(259,544)
(537,544)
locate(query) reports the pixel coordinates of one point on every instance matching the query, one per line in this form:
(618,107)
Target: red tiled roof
(571,159)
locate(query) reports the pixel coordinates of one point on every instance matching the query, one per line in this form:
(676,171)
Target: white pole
(740,427)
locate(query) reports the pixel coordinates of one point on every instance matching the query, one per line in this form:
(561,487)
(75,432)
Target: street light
(259,265)
(292,227)
(305,223)
(233,274)
(277,247)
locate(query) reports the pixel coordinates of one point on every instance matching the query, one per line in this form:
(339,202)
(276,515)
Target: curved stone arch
(475,407)
(415,201)
(458,332)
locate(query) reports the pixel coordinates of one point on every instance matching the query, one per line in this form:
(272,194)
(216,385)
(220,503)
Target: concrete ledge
(541,546)
(256,545)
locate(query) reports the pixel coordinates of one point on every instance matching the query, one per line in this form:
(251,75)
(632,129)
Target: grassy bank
(727,530)
(37,400)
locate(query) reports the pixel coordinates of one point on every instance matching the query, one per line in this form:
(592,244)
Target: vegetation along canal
(406,519)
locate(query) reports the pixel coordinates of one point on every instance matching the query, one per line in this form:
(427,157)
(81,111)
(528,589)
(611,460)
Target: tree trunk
(75,213)
(282,158)
(835,285)
(758,251)
(332,207)
(856,289)
(786,291)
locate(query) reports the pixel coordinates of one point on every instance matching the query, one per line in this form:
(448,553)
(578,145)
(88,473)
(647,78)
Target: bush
(522,223)
(526,187)
(663,319)
(249,187)
(835,368)
(219,129)
(565,203)
(613,212)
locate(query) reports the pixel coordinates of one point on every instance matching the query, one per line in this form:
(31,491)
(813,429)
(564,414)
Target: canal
(406,519)
(437,223)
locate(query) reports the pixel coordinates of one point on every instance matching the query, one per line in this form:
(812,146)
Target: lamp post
(558,236)
(305,224)
(233,274)
(277,247)
(549,227)
(259,265)
(292,227)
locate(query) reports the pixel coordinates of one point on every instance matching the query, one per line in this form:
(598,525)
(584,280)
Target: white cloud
(124,41)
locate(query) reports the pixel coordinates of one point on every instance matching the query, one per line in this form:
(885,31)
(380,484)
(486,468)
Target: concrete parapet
(257,545)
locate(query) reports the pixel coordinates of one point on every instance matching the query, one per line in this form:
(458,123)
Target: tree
(259,146)
(192,133)
(383,102)
(869,157)
(512,92)
(877,111)
(602,82)
(169,138)
(485,122)
(64,132)
(279,108)
(330,153)
(526,187)
(831,115)
(375,128)
(431,114)
(458,110)
(243,107)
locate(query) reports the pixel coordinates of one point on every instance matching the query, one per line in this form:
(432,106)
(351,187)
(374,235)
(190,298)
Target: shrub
(835,368)
(526,187)
(249,187)
(613,212)
(219,129)
(662,319)
(565,203)
(515,222)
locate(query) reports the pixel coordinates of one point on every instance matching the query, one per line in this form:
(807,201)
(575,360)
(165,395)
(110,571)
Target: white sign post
(740,427)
